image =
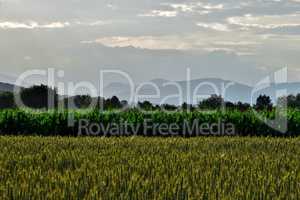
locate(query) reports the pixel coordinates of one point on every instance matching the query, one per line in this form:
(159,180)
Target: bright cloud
(242,44)
(214,26)
(266,21)
(199,7)
(32,25)
(210,6)
(94,23)
(144,42)
(159,13)
(191,7)
(53,25)
(183,7)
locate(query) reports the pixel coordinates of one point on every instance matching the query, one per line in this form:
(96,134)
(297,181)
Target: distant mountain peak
(6,87)
(159,81)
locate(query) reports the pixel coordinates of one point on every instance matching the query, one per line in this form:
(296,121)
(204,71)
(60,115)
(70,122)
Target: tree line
(37,97)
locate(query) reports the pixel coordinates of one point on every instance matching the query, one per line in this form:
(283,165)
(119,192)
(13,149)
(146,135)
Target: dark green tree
(146,105)
(113,103)
(7,100)
(213,102)
(39,97)
(263,102)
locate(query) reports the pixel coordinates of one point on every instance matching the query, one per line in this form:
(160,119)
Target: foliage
(39,97)
(216,102)
(6,100)
(264,102)
(79,101)
(145,105)
(291,101)
(213,102)
(18,122)
(113,103)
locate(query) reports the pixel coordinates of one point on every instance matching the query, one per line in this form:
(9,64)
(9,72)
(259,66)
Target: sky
(235,40)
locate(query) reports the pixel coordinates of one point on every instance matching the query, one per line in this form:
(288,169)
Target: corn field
(52,123)
(149,168)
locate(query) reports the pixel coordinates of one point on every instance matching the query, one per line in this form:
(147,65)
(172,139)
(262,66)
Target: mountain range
(6,87)
(199,89)
(161,91)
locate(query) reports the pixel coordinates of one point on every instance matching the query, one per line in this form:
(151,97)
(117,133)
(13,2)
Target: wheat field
(149,168)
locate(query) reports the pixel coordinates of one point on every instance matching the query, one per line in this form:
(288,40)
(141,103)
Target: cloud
(210,6)
(53,25)
(143,42)
(271,28)
(192,7)
(94,23)
(200,8)
(112,6)
(242,44)
(27,58)
(214,26)
(236,43)
(266,21)
(183,7)
(159,13)
(32,25)
(229,50)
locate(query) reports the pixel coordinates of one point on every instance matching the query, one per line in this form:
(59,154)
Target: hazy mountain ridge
(6,87)
(235,91)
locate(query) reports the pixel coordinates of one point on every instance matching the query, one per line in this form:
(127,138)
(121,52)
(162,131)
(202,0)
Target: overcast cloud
(236,40)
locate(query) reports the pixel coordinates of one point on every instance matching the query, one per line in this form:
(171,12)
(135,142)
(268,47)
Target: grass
(149,168)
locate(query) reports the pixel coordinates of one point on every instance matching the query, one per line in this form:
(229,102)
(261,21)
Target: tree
(229,105)
(124,103)
(146,105)
(39,97)
(213,102)
(243,106)
(297,101)
(187,107)
(291,101)
(263,102)
(82,101)
(169,107)
(113,103)
(100,103)
(7,100)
